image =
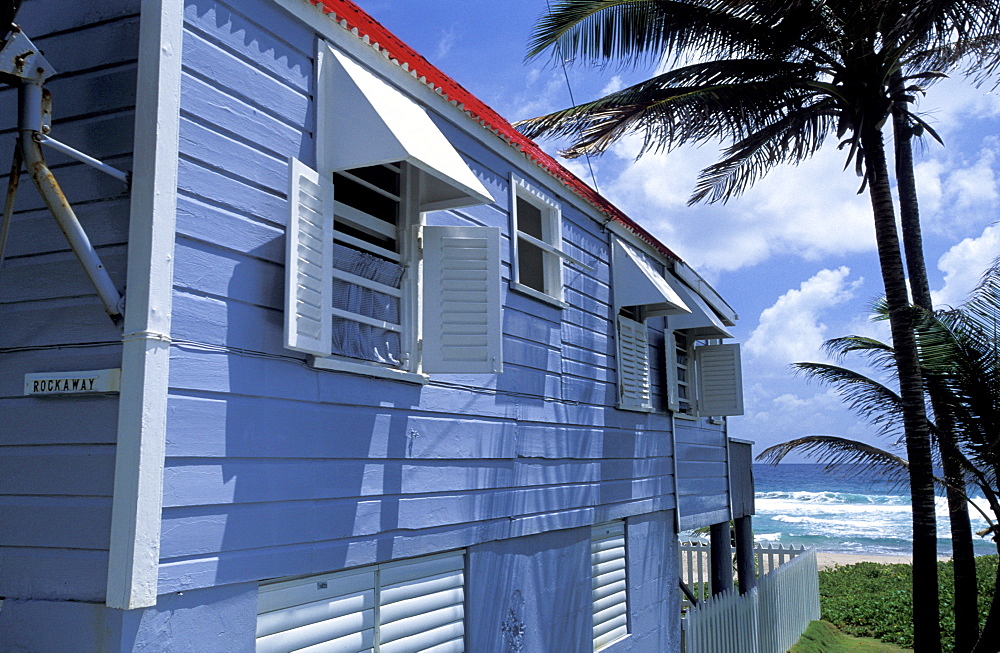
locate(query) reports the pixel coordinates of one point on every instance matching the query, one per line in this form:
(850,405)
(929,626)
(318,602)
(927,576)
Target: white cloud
(791,330)
(811,210)
(964,264)
(958,192)
(950,103)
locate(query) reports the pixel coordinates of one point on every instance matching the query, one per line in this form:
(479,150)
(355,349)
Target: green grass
(823,637)
(873,600)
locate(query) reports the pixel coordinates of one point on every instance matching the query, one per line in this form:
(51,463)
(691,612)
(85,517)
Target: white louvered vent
(421,605)
(462,313)
(633,365)
(336,610)
(720,380)
(610,589)
(406,606)
(308,261)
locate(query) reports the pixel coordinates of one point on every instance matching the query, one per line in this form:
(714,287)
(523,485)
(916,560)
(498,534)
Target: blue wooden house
(345,362)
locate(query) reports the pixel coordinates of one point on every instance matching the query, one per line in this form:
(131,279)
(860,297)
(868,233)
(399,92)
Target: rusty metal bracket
(23,60)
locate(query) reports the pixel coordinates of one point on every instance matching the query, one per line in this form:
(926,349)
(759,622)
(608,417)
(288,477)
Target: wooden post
(744,554)
(722,558)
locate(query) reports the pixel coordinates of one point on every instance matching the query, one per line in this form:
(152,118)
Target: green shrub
(873,600)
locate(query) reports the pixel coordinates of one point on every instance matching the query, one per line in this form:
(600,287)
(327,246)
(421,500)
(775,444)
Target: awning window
(365,121)
(636,283)
(702,322)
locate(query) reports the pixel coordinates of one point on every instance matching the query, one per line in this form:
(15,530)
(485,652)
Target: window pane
(529,219)
(531,266)
(348,191)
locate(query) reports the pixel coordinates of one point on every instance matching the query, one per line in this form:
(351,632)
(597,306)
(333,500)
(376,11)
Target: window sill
(636,409)
(531,292)
(686,416)
(341,365)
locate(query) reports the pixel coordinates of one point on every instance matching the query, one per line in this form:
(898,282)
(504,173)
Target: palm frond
(631,33)
(793,137)
(874,402)
(835,452)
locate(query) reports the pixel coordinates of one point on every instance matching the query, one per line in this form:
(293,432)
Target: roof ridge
(354,19)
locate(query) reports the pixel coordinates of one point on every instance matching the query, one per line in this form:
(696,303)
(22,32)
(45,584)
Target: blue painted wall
(536,591)
(275,468)
(57,454)
(213,620)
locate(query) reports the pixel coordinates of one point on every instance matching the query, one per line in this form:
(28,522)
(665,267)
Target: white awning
(368,122)
(702,322)
(636,283)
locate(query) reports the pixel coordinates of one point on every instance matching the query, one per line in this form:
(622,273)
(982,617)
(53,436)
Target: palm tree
(960,359)
(778,77)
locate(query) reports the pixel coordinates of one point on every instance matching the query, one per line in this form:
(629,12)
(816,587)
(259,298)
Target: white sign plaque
(73,383)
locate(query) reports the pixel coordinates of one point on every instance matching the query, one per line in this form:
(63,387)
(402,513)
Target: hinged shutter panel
(608,582)
(633,364)
(309,262)
(720,380)
(421,605)
(462,316)
(334,609)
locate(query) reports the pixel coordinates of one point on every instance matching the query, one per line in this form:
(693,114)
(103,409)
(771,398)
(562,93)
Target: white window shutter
(720,380)
(309,262)
(462,312)
(673,399)
(609,583)
(633,364)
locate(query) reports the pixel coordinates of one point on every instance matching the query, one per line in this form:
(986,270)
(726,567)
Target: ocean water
(843,513)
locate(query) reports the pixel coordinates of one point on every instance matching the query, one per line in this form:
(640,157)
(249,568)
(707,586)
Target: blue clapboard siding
(57,453)
(274,468)
(702,476)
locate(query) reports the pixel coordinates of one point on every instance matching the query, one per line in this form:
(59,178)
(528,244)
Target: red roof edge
(353,18)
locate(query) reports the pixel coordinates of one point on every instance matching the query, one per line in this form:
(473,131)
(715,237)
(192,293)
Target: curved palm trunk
(926,611)
(963,554)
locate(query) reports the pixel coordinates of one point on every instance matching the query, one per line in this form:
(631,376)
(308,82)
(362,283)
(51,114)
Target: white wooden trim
(356,366)
(365,221)
(133,556)
(367,283)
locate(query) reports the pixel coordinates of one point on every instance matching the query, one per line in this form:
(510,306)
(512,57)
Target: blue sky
(795,256)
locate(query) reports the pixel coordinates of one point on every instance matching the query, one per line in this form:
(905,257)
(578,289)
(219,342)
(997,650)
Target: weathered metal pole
(745,570)
(721,555)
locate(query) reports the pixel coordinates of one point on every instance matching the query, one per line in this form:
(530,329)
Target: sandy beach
(829,560)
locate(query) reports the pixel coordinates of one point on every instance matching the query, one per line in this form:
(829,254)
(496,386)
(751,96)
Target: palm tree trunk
(926,611)
(963,554)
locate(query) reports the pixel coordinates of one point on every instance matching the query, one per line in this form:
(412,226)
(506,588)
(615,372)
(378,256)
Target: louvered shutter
(421,604)
(309,262)
(609,583)
(720,380)
(633,364)
(336,610)
(462,318)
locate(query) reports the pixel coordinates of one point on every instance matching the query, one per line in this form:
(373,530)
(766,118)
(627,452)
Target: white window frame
(550,244)
(409,221)
(673,381)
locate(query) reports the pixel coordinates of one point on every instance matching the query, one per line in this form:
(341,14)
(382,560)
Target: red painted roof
(353,18)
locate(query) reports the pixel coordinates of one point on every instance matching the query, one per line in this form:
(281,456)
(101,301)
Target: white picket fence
(695,564)
(770,618)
